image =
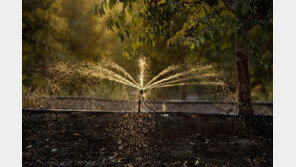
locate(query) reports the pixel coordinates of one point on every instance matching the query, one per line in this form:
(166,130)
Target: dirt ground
(114,139)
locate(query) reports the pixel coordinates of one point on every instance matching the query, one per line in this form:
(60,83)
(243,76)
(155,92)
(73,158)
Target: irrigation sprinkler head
(141,92)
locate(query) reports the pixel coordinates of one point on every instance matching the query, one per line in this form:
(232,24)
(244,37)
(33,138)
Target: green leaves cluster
(176,23)
(184,22)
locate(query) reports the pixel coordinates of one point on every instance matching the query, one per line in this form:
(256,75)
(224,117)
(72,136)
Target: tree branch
(193,2)
(229,7)
(217,11)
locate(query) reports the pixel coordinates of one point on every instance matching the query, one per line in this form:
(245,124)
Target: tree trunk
(243,80)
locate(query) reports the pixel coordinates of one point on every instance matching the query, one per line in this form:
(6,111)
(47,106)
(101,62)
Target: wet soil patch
(117,139)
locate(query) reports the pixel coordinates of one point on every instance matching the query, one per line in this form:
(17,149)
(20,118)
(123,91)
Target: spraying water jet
(170,77)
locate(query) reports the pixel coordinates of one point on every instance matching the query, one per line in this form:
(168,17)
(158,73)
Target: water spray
(169,77)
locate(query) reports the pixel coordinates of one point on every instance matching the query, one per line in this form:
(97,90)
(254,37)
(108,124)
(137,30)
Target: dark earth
(118,139)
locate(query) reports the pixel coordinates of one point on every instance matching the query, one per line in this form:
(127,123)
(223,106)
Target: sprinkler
(140,98)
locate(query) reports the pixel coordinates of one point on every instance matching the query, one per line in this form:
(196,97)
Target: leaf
(211,34)
(220,29)
(110,23)
(95,10)
(204,9)
(112,3)
(121,36)
(192,46)
(101,11)
(127,33)
(204,20)
(196,43)
(152,43)
(117,24)
(130,9)
(105,3)
(202,39)
(127,53)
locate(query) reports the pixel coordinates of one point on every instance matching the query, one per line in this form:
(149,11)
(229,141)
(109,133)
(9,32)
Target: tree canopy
(189,24)
(183,23)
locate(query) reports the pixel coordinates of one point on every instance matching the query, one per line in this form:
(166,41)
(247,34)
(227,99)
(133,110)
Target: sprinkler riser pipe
(140,98)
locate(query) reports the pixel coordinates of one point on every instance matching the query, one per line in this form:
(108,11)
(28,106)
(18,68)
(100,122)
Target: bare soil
(114,139)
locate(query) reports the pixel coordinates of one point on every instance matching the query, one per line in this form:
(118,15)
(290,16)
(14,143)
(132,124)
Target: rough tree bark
(243,80)
(242,67)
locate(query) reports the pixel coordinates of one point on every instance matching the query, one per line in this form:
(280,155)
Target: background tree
(151,20)
(44,36)
(64,30)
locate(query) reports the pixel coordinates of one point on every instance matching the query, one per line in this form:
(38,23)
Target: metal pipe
(69,111)
(140,98)
(163,101)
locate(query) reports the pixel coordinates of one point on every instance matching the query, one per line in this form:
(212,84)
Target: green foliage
(62,30)
(43,36)
(196,28)
(183,23)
